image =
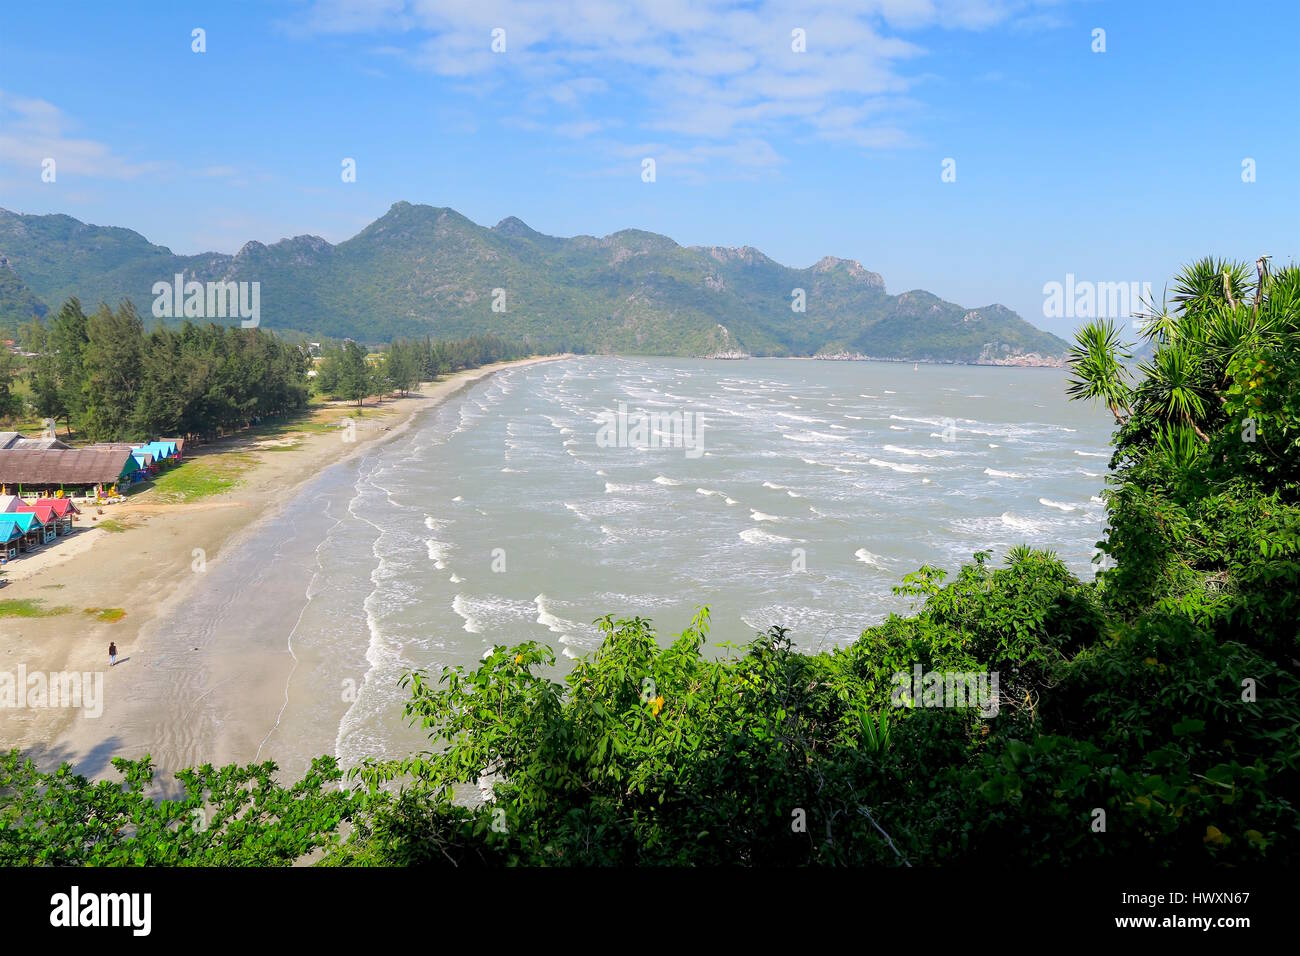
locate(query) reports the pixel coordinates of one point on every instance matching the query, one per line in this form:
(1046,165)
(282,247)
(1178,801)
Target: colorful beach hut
(27,522)
(161,451)
(10,503)
(11,537)
(64,512)
(49,522)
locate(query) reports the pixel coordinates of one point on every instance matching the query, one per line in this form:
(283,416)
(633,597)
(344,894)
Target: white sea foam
(933,422)
(758,536)
(461,607)
(437,553)
(760,516)
(813,436)
(1058,505)
(874,560)
(922,452)
(994,473)
(1019,523)
(1092,454)
(661,480)
(895,466)
(556,625)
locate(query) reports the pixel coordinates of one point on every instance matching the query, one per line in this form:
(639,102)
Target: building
(63,512)
(84,472)
(161,450)
(12,441)
(32,528)
(10,539)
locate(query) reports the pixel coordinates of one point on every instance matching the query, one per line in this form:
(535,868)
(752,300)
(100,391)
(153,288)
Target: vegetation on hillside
(422,271)
(1148,717)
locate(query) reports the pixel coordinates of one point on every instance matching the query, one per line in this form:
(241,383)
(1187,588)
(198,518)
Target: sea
(771,491)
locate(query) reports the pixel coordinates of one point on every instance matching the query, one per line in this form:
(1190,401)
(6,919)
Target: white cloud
(33,130)
(712,72)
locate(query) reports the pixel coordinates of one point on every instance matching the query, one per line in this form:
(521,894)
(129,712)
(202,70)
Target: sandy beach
(144,558)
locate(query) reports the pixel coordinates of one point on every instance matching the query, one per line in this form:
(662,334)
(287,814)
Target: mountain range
(422,270)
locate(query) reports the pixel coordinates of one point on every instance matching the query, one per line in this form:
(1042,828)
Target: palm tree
(1210,325)
(1208,282)
(1098,373)
(1175,386)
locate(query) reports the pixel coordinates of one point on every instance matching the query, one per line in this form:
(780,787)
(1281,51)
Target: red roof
(44,512)
(61,506)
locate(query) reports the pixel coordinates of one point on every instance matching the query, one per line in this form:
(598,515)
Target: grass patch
(201,477)
(318,428)
(292,446)
(110,615)
(112,525)
(29,607)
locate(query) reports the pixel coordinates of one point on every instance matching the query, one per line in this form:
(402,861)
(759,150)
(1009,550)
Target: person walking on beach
(112,654)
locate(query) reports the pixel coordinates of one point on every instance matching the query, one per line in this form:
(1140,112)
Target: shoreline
(150,569)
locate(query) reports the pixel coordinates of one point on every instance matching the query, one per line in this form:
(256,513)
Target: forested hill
(421,270)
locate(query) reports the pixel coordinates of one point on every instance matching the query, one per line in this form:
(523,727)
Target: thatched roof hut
(91,468)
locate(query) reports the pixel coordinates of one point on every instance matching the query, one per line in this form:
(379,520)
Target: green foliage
(113,382)
(1097,368)
(10,404)
(345,375)
(232,816)
(1148,717)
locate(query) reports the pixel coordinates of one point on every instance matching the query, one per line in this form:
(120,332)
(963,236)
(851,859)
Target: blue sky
(1114,166)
